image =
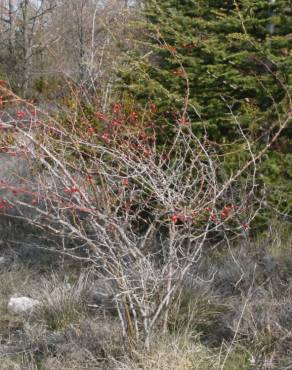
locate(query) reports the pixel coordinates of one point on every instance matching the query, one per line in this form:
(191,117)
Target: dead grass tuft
(61,301)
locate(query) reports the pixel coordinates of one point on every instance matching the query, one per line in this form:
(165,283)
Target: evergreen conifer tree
(218,64)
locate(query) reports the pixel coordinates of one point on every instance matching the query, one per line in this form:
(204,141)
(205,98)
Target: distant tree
(23,39)
(86,41)
(42,40)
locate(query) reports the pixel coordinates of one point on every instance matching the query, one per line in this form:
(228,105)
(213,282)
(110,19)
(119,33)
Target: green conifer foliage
(221,64)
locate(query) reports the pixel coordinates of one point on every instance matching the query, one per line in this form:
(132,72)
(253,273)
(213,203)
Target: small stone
(2,260)
(21,304)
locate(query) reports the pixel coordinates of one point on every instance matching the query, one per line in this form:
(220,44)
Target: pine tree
(219,64)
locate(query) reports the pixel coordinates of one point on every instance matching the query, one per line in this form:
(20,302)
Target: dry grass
(61,302)
(64,334)
(171,353)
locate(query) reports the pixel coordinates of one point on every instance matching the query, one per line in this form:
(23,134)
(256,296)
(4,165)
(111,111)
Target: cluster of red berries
(133,116)
(223,214)
(117,108)
(90,130)
(72,190)
(176,217)
(20,114)
(101,116)
(226,211)
(5,204)
(182,217)
(125,182)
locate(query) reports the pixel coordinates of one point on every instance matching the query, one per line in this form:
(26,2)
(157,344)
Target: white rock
(21,304)
(2,260)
